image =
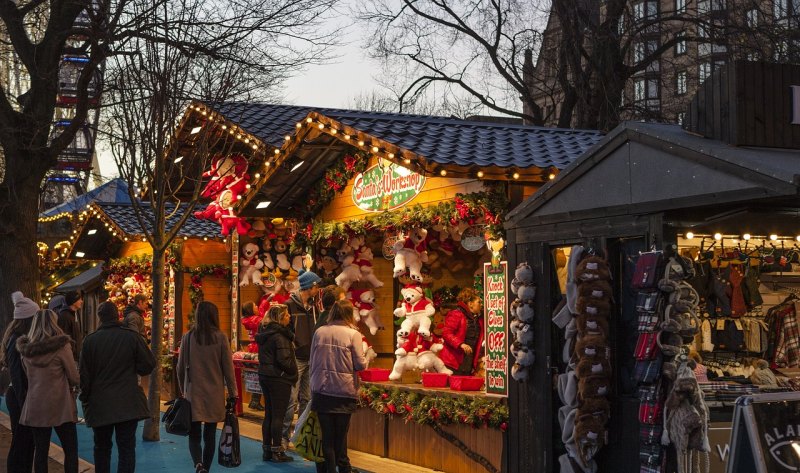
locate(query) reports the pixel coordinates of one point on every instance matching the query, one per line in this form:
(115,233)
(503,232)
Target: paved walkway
(172,454)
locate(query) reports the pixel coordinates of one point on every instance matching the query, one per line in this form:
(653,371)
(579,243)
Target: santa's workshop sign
(495,290)
(386,186)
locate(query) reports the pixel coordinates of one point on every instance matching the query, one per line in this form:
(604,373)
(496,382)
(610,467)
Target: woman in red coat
(463,334)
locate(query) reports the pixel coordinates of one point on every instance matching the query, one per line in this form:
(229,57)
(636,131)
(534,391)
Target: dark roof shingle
(124,215)
(439,139)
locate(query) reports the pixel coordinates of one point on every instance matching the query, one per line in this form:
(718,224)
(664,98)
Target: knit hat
(107,312)
(57,303)
(73,297)
(24,308)
(307,280)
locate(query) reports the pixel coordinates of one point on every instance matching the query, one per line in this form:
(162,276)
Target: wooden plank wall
(216,290)
(419,445)
(135,248)
(435,190)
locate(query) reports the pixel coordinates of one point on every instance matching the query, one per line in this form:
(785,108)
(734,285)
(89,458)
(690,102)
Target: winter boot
(280,456)
(266,454)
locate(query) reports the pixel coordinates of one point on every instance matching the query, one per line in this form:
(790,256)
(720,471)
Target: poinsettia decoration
(485,207)
(477,412)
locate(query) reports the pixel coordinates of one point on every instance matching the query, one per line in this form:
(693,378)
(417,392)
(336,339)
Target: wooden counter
(420,445)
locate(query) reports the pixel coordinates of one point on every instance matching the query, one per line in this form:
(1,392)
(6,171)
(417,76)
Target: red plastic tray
(434,380)
(374,374)
(466,383)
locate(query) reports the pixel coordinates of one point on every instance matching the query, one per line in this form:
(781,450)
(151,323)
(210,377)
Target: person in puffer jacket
(277,373)
(336,355)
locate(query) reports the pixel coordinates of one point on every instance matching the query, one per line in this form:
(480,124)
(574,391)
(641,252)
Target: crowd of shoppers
(304,357)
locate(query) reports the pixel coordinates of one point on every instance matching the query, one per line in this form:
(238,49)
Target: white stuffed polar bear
(417,310)
(250,271)
(411,253)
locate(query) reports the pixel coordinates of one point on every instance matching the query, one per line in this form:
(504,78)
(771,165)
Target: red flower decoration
(504,426)
(392,408)
(385,396)
(349,162)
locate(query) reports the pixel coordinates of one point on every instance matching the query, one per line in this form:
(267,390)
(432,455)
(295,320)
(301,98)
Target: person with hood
(205,367)
(277,373)
(70,323)
(113,402)
(336,355)
(134,314)
(52,378)
(463,334)
(20,453)
(303,312)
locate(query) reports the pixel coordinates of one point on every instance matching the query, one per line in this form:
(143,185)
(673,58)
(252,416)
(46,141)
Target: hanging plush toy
(364,302)
(417,310)
(250,266)
(411,253)
(228,183)
(280,257)
(327,265)
(350,272)
(363,259)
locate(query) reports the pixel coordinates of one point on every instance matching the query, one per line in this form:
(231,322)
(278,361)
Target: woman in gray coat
(205,366)
(336,354)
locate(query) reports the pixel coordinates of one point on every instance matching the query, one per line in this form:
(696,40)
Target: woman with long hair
(20,453)
(463,334)
(52,377)
(277,373)
(205,367)
(336,355)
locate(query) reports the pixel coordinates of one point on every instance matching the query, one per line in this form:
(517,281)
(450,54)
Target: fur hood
(44,349)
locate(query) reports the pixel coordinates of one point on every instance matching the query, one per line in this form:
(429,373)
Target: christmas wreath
(335,180)
(196,276)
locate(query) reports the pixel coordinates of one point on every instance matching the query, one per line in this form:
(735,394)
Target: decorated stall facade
(401,211)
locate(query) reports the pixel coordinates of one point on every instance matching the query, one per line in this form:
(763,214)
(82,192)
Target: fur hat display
(686,417)
(599,289)
(593,386)
(591,325)
(593,306)
(593,367)
(592,268)
(24,308)
(592,346)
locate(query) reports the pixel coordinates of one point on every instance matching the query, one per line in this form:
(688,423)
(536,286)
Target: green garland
(334,181)
(423,409)
(197,274)
(485,206)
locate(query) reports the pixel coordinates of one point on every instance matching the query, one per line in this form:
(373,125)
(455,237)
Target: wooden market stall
(342,180)
(728,202)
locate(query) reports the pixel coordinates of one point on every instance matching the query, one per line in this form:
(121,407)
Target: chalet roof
(646,167)
(124,216)
(440,140)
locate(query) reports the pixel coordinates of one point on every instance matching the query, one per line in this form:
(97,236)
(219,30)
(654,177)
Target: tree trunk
(18,252)
(151,431)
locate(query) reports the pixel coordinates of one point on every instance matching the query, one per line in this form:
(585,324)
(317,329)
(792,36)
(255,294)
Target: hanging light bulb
(689,235)
(773,237)
(718,236)
(746,236)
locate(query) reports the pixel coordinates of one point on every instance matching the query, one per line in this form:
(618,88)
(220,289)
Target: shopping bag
(308,442)
(229,454)
(300,421)
(178,417)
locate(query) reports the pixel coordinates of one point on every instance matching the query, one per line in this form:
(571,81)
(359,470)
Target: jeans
(126,446)
(68,434)
(20,453)
(276,400)
(334,441)
(204,454)
(301,394)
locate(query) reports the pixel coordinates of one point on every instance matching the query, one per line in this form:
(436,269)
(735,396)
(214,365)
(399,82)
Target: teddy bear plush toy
(369,352)
(250,266)
(364,303)
(350,271)
(266,254)
(327,265)
(363,259)
(411,253)
(281,258)
(417,310)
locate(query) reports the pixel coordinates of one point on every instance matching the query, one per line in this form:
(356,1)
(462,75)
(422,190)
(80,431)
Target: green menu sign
(495,290)
(386,187)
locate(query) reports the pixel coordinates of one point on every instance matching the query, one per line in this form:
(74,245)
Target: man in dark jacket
(112,400)
(133,315)
(70,323)
(303,319)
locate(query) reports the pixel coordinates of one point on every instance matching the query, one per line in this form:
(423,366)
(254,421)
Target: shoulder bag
(178,417)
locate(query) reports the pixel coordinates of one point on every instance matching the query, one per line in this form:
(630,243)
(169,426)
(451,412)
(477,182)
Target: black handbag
(229,453)
(178,416)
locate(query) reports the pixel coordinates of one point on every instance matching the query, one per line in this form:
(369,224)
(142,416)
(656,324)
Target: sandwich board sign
(765,437)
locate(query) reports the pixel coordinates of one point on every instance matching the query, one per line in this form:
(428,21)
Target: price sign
(495,294)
